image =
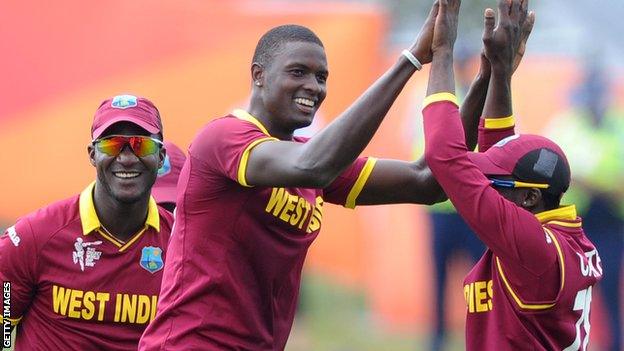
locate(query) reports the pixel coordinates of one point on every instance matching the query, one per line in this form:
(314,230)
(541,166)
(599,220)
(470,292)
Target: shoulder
(41,225)
(224,135)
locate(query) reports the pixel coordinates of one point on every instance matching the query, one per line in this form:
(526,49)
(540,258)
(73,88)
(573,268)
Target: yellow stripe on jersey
(14,321)
(440,97)
(242,166)
(110,238)
(153,218)
(131,241)
(530,306)
(246,116)
(499,123)
(561,213)
(567,224)
(360,182)
(88,216)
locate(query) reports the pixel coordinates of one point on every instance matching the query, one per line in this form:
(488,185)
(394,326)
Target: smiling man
(85,272)
(252,195)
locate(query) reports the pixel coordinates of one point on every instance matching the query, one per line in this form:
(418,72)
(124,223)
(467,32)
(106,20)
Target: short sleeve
(345,189)
(18,262)
(223,146)
(493,130)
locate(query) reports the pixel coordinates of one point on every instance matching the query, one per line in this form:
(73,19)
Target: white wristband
(408,55)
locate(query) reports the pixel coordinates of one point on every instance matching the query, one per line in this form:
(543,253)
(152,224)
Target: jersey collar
(246,116)
(566,213)
(91,222)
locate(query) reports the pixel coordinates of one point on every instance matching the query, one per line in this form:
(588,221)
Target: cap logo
(124,101)
(166,167)
(546,163)
(503,142)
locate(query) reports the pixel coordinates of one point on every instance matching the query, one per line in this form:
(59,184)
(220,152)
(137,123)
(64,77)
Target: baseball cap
(126,108)
(528,158)
(164,190)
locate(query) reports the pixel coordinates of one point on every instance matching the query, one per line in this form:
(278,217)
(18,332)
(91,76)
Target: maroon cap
(164,190)
(126,108)
(526,157)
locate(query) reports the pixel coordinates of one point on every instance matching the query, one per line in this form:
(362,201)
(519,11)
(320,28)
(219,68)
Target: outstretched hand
(505,42)
(445,31)
(422,46)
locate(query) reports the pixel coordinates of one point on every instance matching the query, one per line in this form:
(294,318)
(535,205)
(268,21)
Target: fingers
(434,10)
(524,6)
(527,26)
(514,12)
(503,10)
(489,22)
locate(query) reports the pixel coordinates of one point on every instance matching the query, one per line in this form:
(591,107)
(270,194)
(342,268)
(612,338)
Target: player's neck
(257,110)
(121,220)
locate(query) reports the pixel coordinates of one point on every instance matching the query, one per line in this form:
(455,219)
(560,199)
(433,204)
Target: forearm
(498,100)
(472,107)
(337,145)
(441,76)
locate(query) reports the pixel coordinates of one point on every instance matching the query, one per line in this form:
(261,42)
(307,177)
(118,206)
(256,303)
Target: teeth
(126,175)
(306,102)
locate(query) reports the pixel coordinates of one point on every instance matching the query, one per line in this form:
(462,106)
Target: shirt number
(582,303)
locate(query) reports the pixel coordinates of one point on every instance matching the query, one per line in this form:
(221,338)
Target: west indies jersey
(236,253)
(532,288)
(73,286)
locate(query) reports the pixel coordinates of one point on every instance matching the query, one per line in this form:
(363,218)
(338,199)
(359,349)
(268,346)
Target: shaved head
(271,42)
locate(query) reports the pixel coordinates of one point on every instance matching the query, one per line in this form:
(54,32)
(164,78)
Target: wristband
(408,55)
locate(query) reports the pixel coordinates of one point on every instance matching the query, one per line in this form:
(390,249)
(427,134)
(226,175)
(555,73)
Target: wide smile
(126,175)
(305,105)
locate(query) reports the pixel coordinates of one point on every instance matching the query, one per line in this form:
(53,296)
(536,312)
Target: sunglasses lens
(141,146)
(111,146)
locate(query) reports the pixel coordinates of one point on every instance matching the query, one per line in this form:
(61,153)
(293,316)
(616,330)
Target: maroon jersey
(236,253)
(73,286)
(532,288)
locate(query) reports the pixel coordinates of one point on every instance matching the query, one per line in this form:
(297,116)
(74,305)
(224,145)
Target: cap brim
(483,162)
(148,127)
(164,194)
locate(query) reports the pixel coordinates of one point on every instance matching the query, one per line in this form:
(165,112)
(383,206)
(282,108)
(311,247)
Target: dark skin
(116,196)
(502,43)
(299,71)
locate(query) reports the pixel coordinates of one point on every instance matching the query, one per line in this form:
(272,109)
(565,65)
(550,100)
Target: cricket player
(252,195)
(85,272)
(532,288)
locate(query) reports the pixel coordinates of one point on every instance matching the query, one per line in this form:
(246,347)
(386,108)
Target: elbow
(316,175)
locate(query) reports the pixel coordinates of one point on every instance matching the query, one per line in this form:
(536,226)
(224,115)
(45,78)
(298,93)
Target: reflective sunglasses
(112,145)
(504,183)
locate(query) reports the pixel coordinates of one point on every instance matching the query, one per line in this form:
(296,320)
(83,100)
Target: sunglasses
(503,183)
(141,145)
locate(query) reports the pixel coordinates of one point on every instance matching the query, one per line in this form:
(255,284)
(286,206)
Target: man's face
(294,84)
(126,177)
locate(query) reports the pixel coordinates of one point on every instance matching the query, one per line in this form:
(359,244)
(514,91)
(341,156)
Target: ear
(532,198)
(91,152)
(257,74)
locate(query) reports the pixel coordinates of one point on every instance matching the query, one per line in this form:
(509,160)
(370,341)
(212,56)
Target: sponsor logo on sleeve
(15,239)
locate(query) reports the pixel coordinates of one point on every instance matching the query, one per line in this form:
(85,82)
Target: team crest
(124,101)
(166,167)
(151,259)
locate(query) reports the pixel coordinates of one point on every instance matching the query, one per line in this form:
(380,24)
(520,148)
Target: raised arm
(320,160)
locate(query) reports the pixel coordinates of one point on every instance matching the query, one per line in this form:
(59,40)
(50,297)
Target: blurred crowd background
(378,278)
